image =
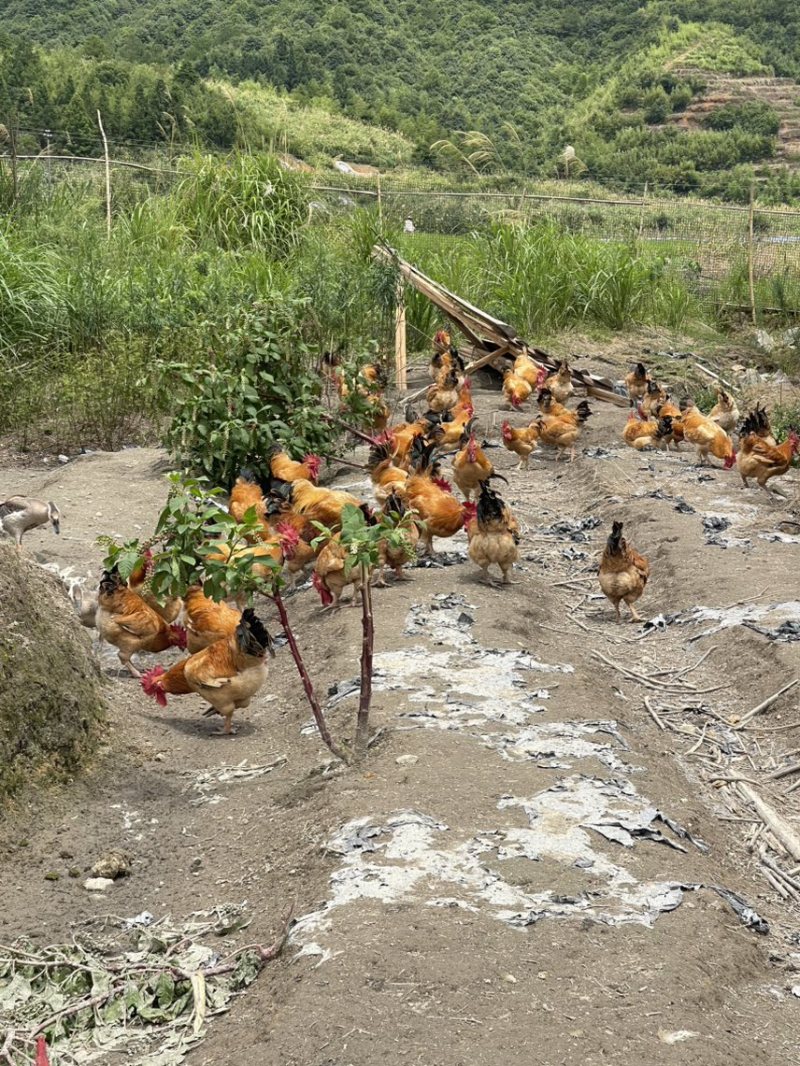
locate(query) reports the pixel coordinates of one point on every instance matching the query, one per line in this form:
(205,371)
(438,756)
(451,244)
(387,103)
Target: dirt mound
(50,700)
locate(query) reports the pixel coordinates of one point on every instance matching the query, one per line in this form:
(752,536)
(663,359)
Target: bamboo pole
(380,205)
(12,136)
(750,271)
(400,350)
(641,214)
(108,174)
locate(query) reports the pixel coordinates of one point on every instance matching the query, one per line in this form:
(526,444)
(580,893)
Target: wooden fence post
(641,214)
(108,175)
(380,205)
(400,354)
(750,267)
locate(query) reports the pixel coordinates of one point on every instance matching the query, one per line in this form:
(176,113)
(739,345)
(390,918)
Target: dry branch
(764,705)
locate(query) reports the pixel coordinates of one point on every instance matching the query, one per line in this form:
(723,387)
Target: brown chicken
(227,673)
(387,479)
(651,433)
(563,432)
(724,412)
(521,441)
(296,535)
(560,383)
(443,395)
(493,536)
(440,513)
(172,605)
(207,621)
(549,405)
(623,572)
(757,422)
(515,389)
(470,466)
(248,492)
(762,461)
(315,503)
(708,437)
(636,383)
(448,433)
(654,396)
(397,557)
(528,370)
(284,468)
(664,410)
(124,620)
(330,577)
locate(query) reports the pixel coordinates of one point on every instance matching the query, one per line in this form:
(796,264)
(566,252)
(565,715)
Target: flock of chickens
(228,647)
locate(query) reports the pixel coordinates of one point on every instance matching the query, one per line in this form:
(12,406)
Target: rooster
(757,422)
(520,441)
(762,461)
(653,397)
(667,409)
(431,497)
(560,383)
(515,389)
(227,673)
(470,466)
(623,572)
(493,536)
(285,469)
(124,620)
(636,383)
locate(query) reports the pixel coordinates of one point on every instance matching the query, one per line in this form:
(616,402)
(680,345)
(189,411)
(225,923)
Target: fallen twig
(764,705)
(782,830)
(652,712)
(784,771)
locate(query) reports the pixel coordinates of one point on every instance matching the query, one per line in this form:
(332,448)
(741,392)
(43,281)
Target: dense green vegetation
(496,86)
(206,287)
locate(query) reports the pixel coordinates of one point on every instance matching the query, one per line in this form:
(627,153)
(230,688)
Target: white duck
(18,514)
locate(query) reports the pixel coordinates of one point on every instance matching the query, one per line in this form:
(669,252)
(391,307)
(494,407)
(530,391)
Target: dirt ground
(458,907)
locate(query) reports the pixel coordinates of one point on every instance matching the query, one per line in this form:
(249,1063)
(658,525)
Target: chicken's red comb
(470,511)
(178,636)
(151,687)
(516,401)
(324,593)
(41,1052)
(443,484)
(542,376)
(313,462)
(506,427)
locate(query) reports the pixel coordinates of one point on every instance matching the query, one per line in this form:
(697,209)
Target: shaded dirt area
(524,888)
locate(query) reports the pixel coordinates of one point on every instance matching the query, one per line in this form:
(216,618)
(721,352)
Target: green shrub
(259,386)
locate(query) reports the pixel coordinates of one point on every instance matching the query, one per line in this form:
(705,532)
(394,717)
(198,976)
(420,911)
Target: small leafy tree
(364,539)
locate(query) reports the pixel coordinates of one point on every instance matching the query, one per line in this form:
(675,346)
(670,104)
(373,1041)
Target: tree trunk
(311,695)
(367,646)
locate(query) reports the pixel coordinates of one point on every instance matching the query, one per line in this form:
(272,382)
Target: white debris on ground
(412,856)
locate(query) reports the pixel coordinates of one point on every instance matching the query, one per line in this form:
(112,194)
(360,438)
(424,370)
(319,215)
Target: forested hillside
(530,76)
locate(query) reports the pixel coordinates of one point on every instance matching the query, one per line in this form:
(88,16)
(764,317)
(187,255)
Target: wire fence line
(734,255)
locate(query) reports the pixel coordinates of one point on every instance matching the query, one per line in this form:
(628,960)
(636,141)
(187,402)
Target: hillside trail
(526,868)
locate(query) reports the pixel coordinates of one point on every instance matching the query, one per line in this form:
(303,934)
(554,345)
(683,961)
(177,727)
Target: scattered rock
(160,756)
(97,884)
(74,871)
(676,1037)
(406,760)
(51,875)
(765,340)
(63,459)
(112,865)
(64,854)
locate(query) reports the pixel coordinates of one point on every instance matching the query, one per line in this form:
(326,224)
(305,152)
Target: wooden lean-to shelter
(492,343)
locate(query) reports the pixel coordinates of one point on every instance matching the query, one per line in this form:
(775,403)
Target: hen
(724,412)
(124,620)
(653,397)
(471,467)
(562,432)
(317,504)
(528,370)
(762,461)
(397,556)
(706,436)
(651,433)
(207,621)
(387,479)
(331,576)
(520,441)
(560,383)
(227,673)
(443,395)
(623,572)
(493,536)
(515,389)
(636,383)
